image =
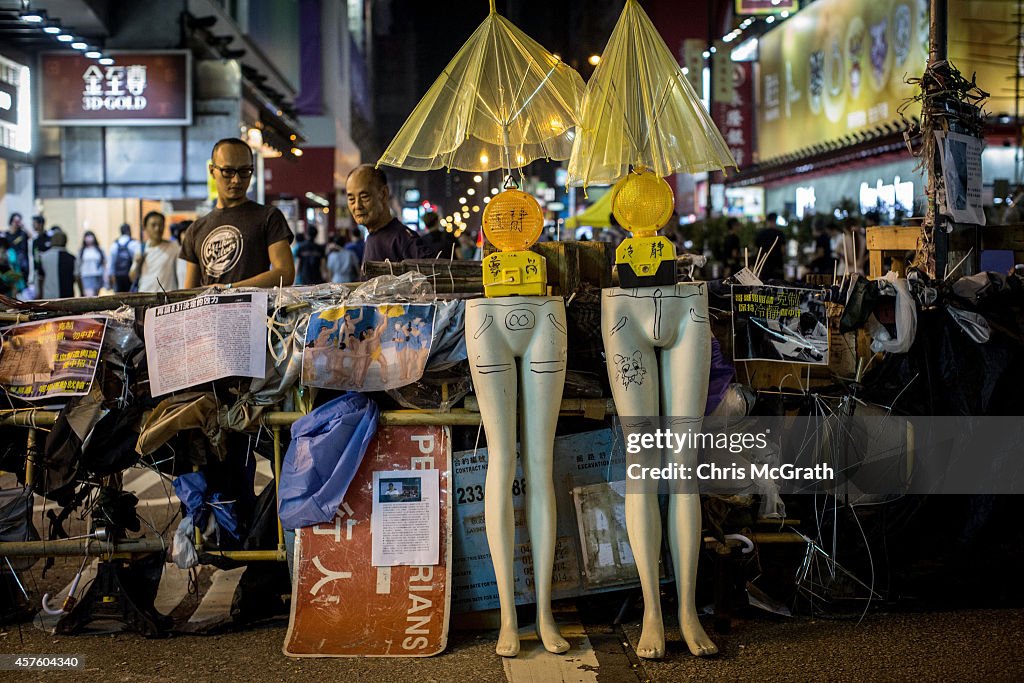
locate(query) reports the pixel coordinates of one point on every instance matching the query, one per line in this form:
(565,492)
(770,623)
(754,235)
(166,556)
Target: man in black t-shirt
(240,242)
(389,239)
(309,260)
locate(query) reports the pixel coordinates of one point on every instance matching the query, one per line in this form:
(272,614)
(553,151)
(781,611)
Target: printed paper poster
(51,358)
(206,338)
(783,324)
(404,526)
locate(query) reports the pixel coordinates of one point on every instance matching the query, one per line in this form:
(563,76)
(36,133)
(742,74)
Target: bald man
(390,239)
(240,243)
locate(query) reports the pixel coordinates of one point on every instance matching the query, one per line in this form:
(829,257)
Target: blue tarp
(327,446)
(191,490)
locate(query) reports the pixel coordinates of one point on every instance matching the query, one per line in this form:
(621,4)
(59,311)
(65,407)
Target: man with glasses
(240,243)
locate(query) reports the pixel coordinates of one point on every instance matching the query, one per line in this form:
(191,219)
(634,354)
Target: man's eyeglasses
(229,173)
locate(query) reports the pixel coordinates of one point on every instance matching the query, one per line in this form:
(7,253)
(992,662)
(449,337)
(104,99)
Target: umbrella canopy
(502,102)
(640,111)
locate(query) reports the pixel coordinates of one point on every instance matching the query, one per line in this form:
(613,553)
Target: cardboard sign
(342,606)
(580,460)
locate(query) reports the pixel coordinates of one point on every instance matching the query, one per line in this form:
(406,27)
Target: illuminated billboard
(15,107)
(836,68)
(982,40)
(839,66)
(137,89)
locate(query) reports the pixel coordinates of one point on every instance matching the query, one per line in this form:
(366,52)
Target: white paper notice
(745,276)
(405,524)
(961,169)
(206,338)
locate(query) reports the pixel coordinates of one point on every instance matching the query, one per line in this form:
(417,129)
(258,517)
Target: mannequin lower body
(498,331)
(641,327)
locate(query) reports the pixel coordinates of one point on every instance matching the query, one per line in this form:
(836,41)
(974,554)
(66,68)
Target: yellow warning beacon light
(643,202)
(513,221)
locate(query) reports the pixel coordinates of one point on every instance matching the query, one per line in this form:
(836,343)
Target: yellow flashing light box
(642,203)
(513,221)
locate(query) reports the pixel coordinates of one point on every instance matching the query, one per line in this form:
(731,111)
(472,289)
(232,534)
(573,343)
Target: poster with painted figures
(784,324)
(367,348)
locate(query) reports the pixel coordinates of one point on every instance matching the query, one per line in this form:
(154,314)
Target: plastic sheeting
(722,373)
(974,287)
(183,550)
(906,322)
(16,524)
(502,102)
(326,449)
(193,492)
(736,402)
(640,111)
(973,324)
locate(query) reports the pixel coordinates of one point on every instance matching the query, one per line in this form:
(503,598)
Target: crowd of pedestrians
(40,264)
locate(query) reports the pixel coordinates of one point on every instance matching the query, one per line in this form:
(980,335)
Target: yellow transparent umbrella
(502,102)
(639,111)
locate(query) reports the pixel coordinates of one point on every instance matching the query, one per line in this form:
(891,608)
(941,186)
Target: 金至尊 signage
(138,89)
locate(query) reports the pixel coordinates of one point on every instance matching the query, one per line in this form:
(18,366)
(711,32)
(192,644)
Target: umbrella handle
(747,543)
(69,602)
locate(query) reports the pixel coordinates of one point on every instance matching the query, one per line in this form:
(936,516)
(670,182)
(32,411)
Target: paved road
(963,645)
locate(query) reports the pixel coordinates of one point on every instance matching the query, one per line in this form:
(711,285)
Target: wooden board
(342,606)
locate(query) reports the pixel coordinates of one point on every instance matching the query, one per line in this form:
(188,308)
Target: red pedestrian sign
(343,606)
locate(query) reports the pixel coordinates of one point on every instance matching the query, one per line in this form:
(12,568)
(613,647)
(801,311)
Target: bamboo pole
(80,546)
(277,486)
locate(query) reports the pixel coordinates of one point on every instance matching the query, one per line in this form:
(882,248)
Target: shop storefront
(16,137)
(892,188)
(836,96)
(137,135)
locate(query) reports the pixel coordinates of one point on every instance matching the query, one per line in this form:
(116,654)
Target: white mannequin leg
(634,381)
(494,380)
(497,332)
(543,378)
(634,324)
(688,362)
